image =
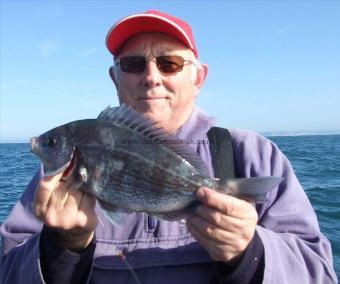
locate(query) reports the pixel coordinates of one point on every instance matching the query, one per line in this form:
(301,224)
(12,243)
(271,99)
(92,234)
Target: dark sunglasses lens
(132,64)
(170,63)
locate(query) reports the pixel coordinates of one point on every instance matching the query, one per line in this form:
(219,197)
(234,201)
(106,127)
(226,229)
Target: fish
(130,165)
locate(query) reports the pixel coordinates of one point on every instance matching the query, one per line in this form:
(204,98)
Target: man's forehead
(156,41)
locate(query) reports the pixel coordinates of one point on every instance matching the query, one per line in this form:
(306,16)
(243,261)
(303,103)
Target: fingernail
(200,193)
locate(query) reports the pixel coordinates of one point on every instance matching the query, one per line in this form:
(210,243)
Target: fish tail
(253,189)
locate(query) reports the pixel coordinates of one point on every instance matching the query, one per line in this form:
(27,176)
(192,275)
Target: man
(228,240)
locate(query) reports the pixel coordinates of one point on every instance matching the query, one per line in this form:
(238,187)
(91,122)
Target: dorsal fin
(125,116)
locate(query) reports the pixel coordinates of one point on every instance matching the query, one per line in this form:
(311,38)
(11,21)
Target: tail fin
(254,188)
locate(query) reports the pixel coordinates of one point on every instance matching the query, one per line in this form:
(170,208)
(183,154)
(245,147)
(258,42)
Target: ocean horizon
(278,133)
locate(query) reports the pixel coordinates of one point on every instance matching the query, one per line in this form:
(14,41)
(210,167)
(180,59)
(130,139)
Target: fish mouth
(66,168)
(70,166)
(34,144)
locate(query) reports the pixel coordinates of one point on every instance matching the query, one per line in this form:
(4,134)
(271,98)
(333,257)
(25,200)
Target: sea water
(315,159)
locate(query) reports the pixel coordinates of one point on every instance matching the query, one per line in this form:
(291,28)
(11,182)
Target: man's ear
(113,76)
(202,73)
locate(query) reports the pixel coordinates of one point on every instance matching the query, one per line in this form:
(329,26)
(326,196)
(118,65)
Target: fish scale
(144,193)
(159,176)
(129,165)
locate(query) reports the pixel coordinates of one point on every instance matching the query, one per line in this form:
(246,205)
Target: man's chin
(152,107)
(157,116)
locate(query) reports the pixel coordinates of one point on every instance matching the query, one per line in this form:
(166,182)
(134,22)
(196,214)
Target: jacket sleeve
(249,270)
(20,234)
(59,265)
(295,251)
(31,254)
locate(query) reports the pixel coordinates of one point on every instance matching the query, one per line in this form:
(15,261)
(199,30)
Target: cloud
(48,48)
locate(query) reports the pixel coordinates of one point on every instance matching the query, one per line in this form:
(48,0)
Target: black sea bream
(129,165)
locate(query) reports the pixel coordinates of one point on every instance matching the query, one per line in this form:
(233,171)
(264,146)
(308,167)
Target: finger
(74,197)
(60,194)
(86,212)
(227,204)
(211,231)
(46,186)
(219,252)
(87,202)
(219,219)
(199,237)
(62,213)
(82,207)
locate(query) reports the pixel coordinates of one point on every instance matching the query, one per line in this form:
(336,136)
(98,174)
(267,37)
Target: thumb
(46,186)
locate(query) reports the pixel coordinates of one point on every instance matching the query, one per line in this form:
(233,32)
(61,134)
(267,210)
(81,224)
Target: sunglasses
(167,64)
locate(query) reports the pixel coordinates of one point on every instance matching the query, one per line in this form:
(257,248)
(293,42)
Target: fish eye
(52,141)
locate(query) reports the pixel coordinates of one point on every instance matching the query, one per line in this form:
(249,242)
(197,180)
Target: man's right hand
(64,208)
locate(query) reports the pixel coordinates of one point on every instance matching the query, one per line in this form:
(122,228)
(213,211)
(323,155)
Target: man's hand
(223,225)
(64,208)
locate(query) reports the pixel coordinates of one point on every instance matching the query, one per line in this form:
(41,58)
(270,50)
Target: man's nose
(152,75)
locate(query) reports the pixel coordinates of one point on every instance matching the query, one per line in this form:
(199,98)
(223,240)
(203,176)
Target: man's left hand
(223,225)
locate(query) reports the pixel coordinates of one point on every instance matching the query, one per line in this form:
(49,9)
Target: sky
(273,65)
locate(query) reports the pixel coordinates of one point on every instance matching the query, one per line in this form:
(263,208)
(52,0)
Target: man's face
(168,99)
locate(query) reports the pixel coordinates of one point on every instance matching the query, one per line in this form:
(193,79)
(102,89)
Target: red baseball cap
(149,21)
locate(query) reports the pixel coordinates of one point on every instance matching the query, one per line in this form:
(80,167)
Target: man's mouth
(151,98)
